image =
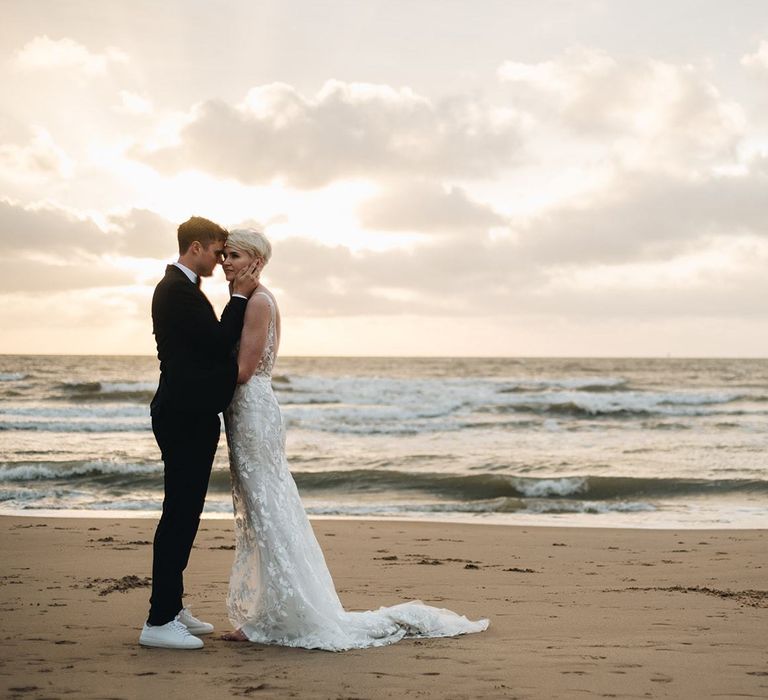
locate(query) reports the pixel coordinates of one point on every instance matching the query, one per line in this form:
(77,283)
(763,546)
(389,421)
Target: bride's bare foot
(236,636)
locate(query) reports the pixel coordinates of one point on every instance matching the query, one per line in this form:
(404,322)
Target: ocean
(666,443)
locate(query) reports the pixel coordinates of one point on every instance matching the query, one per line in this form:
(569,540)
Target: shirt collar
(189,273)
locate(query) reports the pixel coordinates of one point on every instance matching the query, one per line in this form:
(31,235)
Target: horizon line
(430,357)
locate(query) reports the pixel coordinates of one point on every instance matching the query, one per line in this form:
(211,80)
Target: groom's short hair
(199,229)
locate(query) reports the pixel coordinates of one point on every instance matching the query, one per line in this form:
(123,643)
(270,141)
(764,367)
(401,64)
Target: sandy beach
(574,612)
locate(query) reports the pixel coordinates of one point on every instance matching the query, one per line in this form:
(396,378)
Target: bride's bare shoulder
(264,292)
(261,302)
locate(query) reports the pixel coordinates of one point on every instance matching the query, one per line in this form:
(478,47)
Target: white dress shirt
(189,273)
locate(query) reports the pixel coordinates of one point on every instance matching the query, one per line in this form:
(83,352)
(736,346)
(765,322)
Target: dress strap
(270,300)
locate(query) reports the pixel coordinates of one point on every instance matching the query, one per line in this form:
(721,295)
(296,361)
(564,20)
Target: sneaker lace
(181,628)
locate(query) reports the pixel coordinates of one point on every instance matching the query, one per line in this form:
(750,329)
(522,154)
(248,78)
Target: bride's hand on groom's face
(247,279)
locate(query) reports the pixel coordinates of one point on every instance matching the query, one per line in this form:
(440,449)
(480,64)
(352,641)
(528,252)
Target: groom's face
(209,257)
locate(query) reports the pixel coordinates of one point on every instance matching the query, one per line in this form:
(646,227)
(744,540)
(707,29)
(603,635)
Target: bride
(281,591)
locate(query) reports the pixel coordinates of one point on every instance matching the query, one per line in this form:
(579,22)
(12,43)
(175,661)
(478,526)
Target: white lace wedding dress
(281,591)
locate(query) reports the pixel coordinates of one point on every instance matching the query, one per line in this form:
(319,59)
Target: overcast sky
(446,177)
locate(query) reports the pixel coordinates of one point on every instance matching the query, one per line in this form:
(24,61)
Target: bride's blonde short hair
(250,240)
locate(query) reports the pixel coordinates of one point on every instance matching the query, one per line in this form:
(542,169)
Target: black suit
(198,375)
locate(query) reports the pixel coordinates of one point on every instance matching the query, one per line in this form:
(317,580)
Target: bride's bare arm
(253,340)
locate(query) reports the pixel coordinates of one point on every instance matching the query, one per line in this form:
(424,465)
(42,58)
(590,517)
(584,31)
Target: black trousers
(188,444)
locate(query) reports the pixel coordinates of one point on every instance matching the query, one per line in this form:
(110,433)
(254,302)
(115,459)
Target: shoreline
(674,358)
(533,520)
(593,612)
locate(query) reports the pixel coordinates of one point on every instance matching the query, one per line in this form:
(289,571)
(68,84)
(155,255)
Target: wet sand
(574,612)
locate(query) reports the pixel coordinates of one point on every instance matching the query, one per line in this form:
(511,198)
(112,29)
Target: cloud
(56,251)
(55,239)
(725,277)
(724,280)
(585,104)
(41,158)
(347,130)
(645,245)
(758,59)
(453,278)
(47,230)
(427,207)
(647,110)
(642,217)
(561,262)
(43,53)
(143,234)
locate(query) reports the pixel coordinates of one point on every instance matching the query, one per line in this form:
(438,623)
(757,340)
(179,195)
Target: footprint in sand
(662,679)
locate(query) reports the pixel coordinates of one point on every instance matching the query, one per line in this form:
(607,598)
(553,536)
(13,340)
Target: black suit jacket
(198,366)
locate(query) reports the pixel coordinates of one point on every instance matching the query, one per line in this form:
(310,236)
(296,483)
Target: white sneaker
(195,626)
(171,635)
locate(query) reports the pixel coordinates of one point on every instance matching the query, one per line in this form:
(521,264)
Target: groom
(198,374)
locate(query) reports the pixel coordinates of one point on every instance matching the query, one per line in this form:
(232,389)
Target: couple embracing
(280,589)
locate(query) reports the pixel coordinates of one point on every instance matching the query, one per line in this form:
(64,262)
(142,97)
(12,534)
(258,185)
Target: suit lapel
(176,273)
